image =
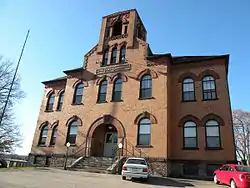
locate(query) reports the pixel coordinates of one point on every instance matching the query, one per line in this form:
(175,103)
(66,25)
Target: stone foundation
(50,160)
(158,166)
(184,169)
(194,169)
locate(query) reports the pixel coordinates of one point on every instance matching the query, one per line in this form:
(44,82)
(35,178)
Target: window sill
(71,145)
(144,146)
(108,65)
(41,145)
(190,148)
(146,98)
(100,102)
(49,111)
(217,148)
(75,104)
(116,101)
(122,62)
(189,101)
(210,99)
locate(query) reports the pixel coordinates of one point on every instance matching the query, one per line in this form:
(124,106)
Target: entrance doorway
(104,141)
(110,144)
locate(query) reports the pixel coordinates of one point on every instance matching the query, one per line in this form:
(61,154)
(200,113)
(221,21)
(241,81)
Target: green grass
(22,168)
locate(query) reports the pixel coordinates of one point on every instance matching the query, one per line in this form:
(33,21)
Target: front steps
(93,164)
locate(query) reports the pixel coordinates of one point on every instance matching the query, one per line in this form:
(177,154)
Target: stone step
(94,164)
(94,170)
(91,164)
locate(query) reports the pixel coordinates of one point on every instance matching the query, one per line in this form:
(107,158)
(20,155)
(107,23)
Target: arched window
(113,56)
(105,58)
(43,135)
(190,135)
(72,132)
(209,88)
(188,92)
(212,134)
(146,87)
(53,136)
(78,94)
(144,132)
(117,29)
(122,58)
(50,102)
(60,101)
(117,90)
(102,91)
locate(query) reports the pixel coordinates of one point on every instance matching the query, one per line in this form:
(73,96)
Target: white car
(135,168)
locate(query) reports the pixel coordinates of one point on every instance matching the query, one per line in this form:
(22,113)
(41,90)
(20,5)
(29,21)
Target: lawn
(22,168)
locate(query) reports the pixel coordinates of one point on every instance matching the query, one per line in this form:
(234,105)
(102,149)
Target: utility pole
(14,77)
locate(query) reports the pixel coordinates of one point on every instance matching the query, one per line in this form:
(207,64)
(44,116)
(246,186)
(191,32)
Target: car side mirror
(220,169)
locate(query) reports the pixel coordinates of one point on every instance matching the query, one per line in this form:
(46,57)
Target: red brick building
(174,110)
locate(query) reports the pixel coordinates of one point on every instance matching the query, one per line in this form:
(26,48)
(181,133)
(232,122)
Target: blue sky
(62,31)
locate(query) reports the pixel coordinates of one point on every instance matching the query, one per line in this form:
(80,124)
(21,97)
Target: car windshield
(136,161)
(242,168)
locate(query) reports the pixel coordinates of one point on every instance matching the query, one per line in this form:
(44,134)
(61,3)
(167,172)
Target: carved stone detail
(113,69)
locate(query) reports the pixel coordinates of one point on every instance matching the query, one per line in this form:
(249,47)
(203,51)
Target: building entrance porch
(103,137)
(104,141)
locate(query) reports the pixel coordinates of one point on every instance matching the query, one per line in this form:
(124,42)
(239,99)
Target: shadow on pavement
(166,182)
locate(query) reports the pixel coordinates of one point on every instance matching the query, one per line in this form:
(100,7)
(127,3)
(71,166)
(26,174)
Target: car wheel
(216,181)
(233,184)
(123,177)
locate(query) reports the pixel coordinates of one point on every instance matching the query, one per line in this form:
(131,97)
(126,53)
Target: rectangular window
(144,139)
(78,99)
(102,97)
(190,169)
(209,88)
(49,107)
(213,142)
(190,135)
(72,134)
(146,93)
(144,134)
(188,96)
(125,29)
(53,141)
(146,87)
(39,160)
(42,141)
(190,143)
(209,94)
(211,168)
(72,139)
(117,96)
(213,137)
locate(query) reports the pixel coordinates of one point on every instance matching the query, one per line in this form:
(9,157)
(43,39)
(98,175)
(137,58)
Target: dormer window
(117,28)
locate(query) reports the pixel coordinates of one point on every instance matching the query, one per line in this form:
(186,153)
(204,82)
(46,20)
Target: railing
(81,150)
(130,149)
(127,150)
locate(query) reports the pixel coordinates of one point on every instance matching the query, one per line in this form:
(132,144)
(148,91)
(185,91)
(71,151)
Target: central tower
(119,28)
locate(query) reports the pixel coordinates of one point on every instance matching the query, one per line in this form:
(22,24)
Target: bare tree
(9,131)
(241,122)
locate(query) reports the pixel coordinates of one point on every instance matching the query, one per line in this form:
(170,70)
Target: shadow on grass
(160,181)
(23,168)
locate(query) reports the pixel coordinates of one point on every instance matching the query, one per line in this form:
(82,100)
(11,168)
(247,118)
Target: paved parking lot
(69,179)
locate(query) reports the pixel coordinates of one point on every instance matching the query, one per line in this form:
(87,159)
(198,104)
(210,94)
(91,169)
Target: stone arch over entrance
(104,135)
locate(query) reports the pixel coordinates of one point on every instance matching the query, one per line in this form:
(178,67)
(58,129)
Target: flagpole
(8,96)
